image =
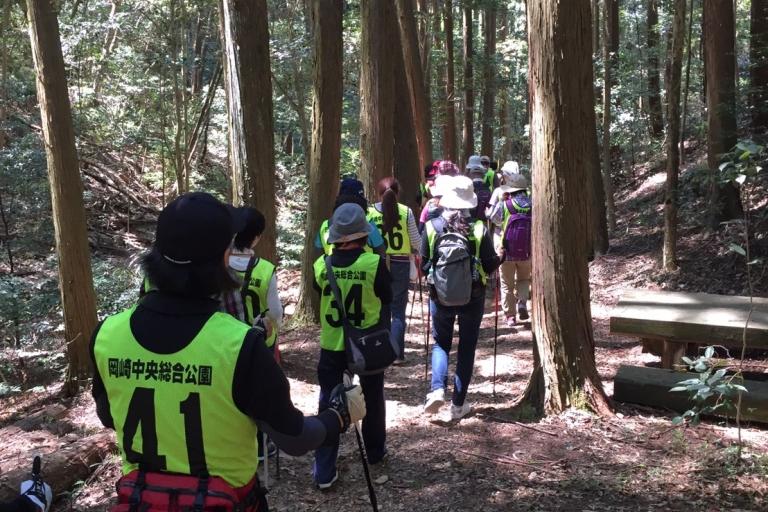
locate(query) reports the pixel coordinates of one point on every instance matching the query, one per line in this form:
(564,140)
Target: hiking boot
(510,321)
(459,411)
(435,400)
(38,492)
(271,450)
(522,310)
(328,485)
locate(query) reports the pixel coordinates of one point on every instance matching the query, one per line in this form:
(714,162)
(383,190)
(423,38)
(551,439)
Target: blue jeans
(330,373)
(470,316)
(401,272)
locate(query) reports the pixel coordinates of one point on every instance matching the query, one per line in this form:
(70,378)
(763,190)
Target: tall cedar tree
(600,239)
(377,93)
(417,91)
(406,147)
(758,56)
(325,151)
(489,82)
(505,130)
(468,132)
(562,132)
(450,149)
(610,58)
(654,87)
(596,26)
(248,82)
(75,280)
(720,69)
(669,255)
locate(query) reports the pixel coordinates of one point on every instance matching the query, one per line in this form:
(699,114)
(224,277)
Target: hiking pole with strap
(496,327)
(363,455)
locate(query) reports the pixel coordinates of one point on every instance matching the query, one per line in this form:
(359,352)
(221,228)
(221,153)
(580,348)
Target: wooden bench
(669,321)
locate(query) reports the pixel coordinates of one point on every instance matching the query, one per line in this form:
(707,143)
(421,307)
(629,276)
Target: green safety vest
(398,240)
(362,306)
(175,412)
(328,248)
(475,237)
(489,178)
(256,281)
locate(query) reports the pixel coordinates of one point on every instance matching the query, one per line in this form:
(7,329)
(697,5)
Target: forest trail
(495,460)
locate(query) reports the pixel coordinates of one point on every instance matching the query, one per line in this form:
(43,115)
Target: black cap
(196,228)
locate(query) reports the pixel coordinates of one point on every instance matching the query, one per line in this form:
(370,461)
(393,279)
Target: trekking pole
(496,327)
(426,333)
(363,455)
(410,315)
(265,451)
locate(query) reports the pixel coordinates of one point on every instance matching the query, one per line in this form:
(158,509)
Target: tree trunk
(560,66)
(422,121)
(377,92)
(468,132)
(596,27)
(720,69)
(758,57)
(684,115)
(406,154)
(248,79)
(654,87)
(669,255)
(489,82)
(610,48)
(75,280)
(325,152)
(450,149)
(504,124)
(106,50)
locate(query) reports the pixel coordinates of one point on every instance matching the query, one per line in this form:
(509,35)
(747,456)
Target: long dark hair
(388,189)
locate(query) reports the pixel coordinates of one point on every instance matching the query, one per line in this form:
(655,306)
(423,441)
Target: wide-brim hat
(516,182)
(510,167)
(196,228)
(348,223)
(475,163)
(458,192)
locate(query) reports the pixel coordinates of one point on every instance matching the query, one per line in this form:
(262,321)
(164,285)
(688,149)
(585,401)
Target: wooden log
(650,386)
(691,317)
(62,466)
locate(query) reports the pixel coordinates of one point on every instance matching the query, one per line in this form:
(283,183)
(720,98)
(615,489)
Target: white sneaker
(435,400)
(459,411)
(327,485)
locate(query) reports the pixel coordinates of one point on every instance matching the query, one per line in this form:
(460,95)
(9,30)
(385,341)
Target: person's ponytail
(388,189)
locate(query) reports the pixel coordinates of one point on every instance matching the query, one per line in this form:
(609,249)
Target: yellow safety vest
(398,240)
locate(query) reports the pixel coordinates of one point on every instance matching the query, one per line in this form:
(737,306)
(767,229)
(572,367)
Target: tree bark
(406,155)
(377,93)
(684,114)
(106,50)
(758,57)
(325,151)
(654,86)
(248,79)
(610,49)
(720,69)
(489,82)
(450,149)
(560,66)
(422,118)
(669,255)
(75,280)
(504,110)
(596,27)
(468,132)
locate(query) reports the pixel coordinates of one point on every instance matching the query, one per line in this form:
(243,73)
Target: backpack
(483,193)
(452,269)
(517,234)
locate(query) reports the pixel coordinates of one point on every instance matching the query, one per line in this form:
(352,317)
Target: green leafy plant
(711,390)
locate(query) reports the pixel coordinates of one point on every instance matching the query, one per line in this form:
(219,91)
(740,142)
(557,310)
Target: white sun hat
(458,193)
(510,168)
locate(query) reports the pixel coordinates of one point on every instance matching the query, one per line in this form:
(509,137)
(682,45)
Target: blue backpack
(517,234)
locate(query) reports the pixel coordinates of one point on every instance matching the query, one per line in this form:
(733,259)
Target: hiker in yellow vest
(350,191)
(364,284)
(462,278)
(183,385)
(397,225)
(258,296)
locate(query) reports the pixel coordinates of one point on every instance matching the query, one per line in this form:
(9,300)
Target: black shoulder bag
(369,351)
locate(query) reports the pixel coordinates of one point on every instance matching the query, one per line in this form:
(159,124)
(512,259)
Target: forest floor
(499,458)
